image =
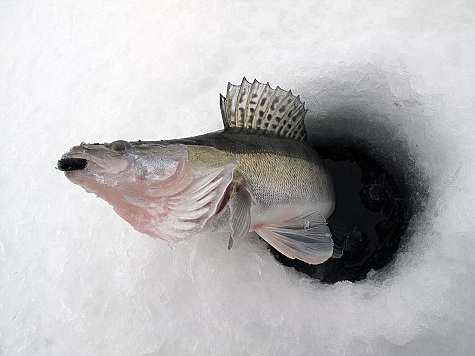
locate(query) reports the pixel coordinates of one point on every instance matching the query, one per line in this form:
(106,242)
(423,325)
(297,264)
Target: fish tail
(339,236)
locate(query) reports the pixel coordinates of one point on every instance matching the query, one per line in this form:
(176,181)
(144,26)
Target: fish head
(154,186)
(122,167)
(106,162)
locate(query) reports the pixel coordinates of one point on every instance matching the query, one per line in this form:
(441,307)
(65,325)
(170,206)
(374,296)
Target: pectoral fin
(240,219)
(306,238)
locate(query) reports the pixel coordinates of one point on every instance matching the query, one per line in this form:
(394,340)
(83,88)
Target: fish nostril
(72,164)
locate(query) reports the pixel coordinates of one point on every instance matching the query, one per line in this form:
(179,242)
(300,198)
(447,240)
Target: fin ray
(258,107)
(307,238)
(240,218)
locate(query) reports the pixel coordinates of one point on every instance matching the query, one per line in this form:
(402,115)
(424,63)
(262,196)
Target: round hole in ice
(374,207)
(379,180)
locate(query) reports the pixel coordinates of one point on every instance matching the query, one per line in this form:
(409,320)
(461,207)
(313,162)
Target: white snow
(77,280)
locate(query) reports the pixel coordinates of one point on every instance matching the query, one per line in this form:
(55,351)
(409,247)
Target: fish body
(279,174)
(258,174)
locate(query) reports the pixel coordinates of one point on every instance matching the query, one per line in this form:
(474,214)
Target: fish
(257,175)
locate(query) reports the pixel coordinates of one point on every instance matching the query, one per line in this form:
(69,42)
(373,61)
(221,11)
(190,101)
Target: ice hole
(378,174)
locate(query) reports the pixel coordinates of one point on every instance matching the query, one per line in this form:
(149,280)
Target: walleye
(257,174)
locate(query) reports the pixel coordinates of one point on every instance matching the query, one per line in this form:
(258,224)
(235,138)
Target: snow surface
(77,280)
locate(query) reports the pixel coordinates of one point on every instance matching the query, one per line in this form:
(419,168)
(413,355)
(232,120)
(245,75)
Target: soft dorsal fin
(258,107)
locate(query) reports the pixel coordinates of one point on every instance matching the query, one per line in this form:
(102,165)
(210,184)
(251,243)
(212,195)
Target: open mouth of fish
(72,164)
(79,158)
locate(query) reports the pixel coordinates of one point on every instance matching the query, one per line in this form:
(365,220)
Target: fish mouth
(93,158)
(80,157)
(72,164)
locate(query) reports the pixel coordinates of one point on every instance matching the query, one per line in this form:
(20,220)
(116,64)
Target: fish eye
(120,145)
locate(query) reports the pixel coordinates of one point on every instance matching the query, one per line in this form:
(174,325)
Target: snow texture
(78,280)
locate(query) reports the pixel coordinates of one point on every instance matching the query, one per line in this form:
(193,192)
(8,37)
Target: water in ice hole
(375,203)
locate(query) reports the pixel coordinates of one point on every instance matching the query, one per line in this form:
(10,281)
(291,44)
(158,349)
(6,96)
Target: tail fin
(343,240)
(339,236)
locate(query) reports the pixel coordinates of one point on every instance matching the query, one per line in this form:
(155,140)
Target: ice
(77,279)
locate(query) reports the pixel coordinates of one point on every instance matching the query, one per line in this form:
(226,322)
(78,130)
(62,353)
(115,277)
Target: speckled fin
(258,107)
(306,238)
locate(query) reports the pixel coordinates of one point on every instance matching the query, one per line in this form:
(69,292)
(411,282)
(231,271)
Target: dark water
(374,207)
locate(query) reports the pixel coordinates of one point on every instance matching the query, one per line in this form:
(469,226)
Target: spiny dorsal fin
(258,107)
